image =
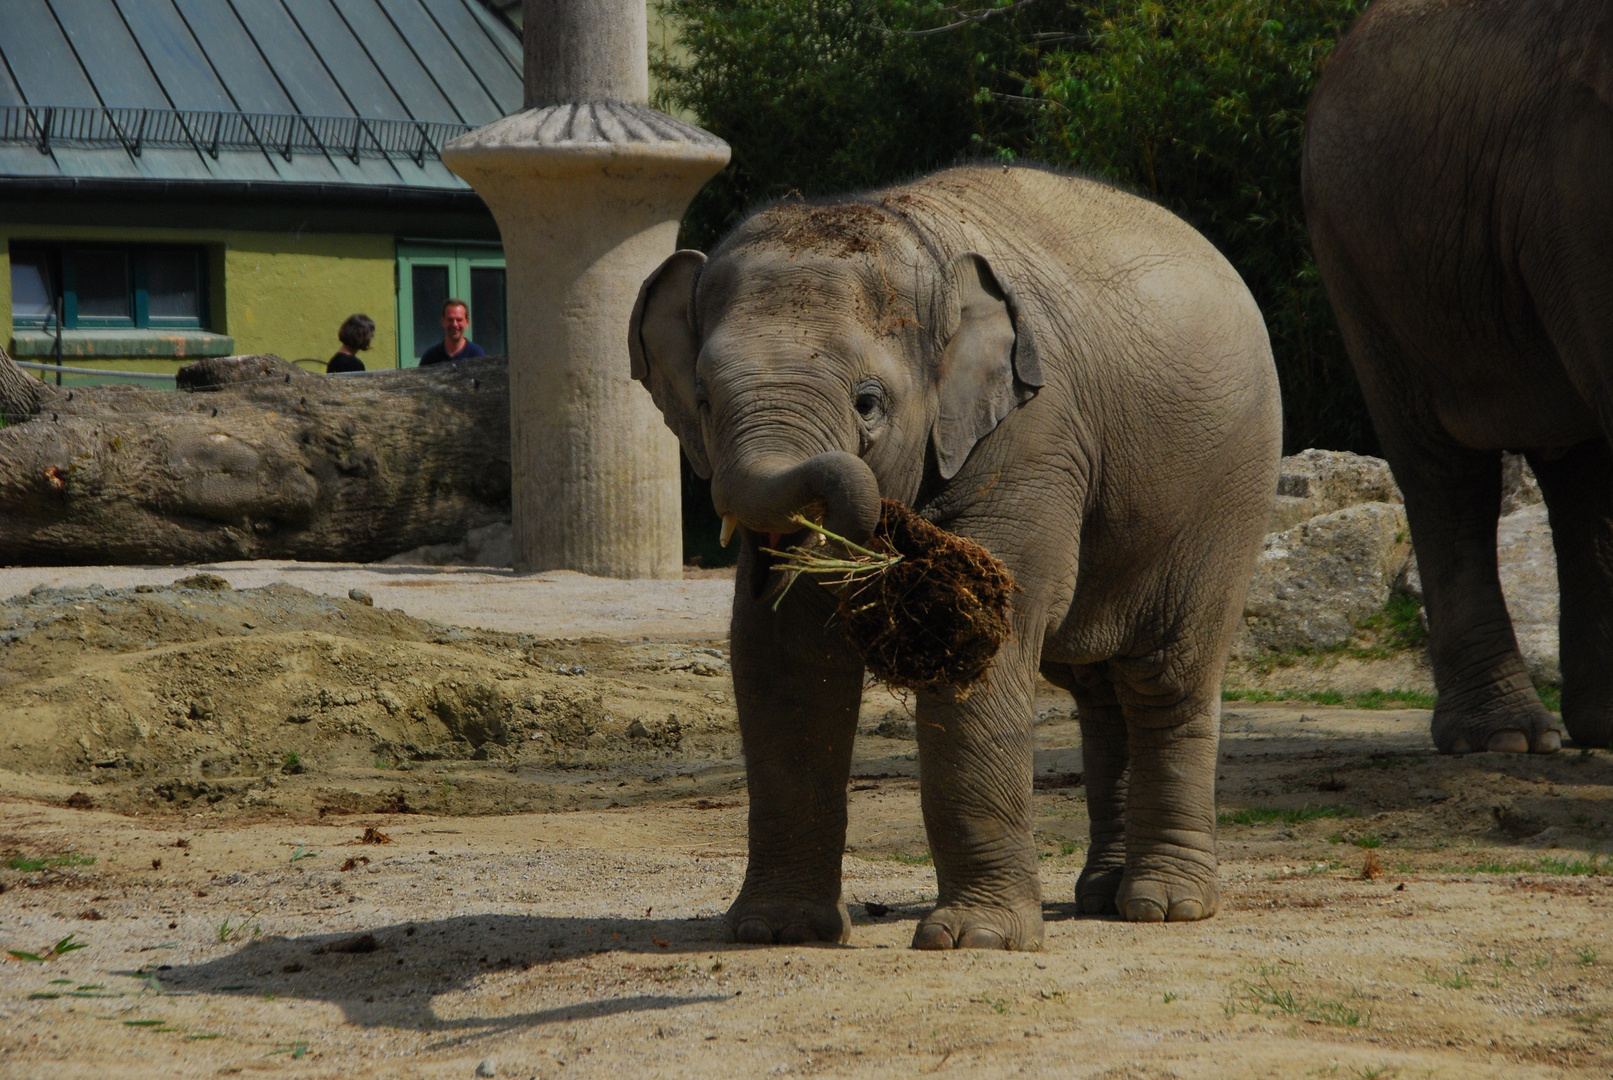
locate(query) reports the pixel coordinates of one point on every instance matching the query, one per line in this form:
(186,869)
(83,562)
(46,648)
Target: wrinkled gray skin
(1459,191)
(1064,373)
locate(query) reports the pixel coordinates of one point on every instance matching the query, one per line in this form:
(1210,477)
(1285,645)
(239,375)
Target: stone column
(588,185)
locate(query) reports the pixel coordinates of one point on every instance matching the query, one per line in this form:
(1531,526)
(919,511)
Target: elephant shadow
(390,976)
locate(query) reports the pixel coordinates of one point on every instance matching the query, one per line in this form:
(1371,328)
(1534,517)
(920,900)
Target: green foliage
(825,96)
(1200,104)
(61,948)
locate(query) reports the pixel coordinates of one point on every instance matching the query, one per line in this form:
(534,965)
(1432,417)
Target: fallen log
(252,458)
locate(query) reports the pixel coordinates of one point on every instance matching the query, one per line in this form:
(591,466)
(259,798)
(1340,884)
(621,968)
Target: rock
(1519,488)
(1314,482)
(488,1067)
(1529,581)
(490,545)
(361,597)
(1315,582)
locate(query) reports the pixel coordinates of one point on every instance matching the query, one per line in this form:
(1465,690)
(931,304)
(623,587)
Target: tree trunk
(252,458)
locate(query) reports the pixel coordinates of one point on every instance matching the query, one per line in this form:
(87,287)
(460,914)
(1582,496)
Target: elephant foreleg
(975,761)
(798,689)
(1579,494)
(1486,699)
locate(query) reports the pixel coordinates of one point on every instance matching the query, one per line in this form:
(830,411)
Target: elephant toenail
(1508,742)
(1548,742)
(982,938)
(932,936)
(1186,911)
(1144,911)
(1461,746)
(1096,905)
(753,932)
(795,934)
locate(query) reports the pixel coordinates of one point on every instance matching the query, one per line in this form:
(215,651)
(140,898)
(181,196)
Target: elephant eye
(870,402)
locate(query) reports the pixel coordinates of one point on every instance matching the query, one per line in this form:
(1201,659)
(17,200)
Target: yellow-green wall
(282,293)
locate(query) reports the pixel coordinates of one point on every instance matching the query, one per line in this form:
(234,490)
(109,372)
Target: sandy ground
(549,905)
(556,604)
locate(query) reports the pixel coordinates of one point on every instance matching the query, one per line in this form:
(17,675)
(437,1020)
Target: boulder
(1314,582)
(1314,482)
(1338,551)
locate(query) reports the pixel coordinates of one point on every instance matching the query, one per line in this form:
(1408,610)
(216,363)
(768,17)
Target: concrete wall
(283,293)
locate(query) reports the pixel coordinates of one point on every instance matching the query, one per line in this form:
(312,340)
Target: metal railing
(353,137)
(154,376)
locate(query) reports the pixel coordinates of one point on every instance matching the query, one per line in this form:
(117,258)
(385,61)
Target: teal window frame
(62,260)
(459,259)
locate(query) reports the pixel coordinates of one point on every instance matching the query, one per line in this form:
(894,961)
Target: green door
(429,275)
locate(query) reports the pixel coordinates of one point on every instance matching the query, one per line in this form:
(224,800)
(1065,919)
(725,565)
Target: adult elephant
(1458,179)
(1062,372)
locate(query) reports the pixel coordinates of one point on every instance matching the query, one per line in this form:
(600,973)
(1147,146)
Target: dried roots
(925,608)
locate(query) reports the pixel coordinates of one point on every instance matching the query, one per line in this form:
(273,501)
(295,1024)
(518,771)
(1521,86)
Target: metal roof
(301,92)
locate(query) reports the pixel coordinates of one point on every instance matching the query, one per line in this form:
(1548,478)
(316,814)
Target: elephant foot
(1518,724)
(787,922)
(1151,896)
(981,928)
(1096,888)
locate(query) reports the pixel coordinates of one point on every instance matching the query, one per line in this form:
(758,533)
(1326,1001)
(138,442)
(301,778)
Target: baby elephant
(1064,373)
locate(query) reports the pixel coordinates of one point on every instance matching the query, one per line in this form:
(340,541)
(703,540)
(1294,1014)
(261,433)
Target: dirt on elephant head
(841,230)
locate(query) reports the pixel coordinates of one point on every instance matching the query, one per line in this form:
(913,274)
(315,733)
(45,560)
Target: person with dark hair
(355,335)
(454,345)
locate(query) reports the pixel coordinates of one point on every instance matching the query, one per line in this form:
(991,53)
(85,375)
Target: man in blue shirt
(454,346)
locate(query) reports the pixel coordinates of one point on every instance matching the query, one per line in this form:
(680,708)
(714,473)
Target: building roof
(317,95)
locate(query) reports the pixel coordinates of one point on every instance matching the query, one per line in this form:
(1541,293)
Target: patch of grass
(1563,867)
(1069,847)
(48,862)
(1370,840)
(1585,956)
(1457,980)
(297,1050)
(1287,1002)
(1168,997)
(1340,1014)
(1399,625)
(997,1005)
(1372,699)
(61,948)
(1265,815)
(909,860)
(1551,696)
(1381,1072)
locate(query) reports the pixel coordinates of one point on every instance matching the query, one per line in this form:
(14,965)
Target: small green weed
(1381,1072)
(1370,840)
(228,930)
(1586,956)
(61,948)
(302,853)
(1265,815)
(1457,980)
(297,1050)
(1551,696)
(997,1005)
(1340,1014)
(1069,847)
(1168,997)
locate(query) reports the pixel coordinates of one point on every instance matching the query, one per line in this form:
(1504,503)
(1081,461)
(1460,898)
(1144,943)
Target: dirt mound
(201,693)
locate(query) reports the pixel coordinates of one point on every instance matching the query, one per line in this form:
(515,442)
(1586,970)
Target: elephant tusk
(729,523)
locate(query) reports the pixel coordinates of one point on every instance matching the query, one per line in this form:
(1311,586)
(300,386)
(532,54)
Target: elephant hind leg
(1579,495)
(1105,767)
(1171,868)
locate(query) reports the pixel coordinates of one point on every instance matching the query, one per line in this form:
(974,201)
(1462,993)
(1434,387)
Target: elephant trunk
(764,499)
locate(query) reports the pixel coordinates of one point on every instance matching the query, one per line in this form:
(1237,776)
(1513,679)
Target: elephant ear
(663,345)
(989,366)
(1594,66)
